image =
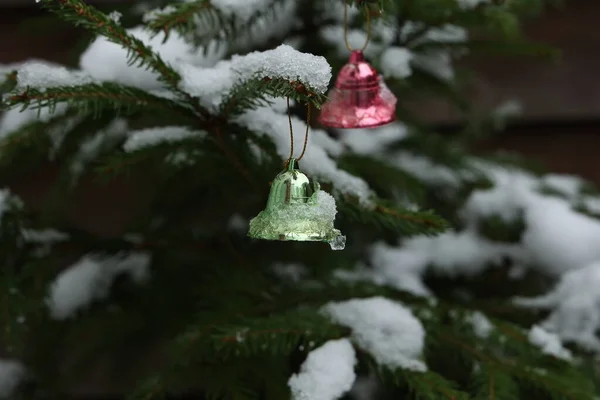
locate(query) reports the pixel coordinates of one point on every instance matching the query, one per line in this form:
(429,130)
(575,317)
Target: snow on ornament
(297,210)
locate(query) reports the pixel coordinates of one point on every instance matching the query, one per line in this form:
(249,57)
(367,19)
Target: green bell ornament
(297,210)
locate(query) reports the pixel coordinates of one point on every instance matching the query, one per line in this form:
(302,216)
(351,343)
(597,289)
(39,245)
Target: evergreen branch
(276,334)
(514,363)
(426,385)
(384,178)
(82,14)
(490,383)
(204,22)
(95,98)
(257,92)
(400,221)
(151,158)
(182,17)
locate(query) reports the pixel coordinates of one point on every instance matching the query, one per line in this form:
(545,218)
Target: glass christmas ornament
(297,210)
(360,98)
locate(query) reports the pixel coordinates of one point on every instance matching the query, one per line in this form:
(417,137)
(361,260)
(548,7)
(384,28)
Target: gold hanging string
(306,133)
(291,133)
(346,28)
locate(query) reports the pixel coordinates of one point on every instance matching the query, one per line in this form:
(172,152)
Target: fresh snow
(284,62)
(272,25)
(287,63)
(444,34)
(45,236)
(41,75)
(142,138)
(439,61)
(241,10)
(451,254)
(469,4)
(557,238)
(11,374)
(373,141)
(93,146)
(90,279)
(115,16)
(575,307)
(395,62)
(384,328)
(13,119)
(481,324)
(326,374)
(107,61)
(548,342)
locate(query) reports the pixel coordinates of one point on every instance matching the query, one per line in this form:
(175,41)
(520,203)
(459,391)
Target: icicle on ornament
(297,209)
(360,98)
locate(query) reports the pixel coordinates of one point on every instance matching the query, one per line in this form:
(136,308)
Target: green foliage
(386,180)
(90,18)
(95,99)
(394,219)
(230,325)
(257,92)
(201,21)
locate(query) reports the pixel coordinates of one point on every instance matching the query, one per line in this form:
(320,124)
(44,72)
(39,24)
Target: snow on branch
(106,60)
(549,343)
(11,374)
(214,16)
(97,22)
(384,328)
(327,373)
(212,85)
(92,98)
(155,136)
(40,75)
(90,279)
(575,314)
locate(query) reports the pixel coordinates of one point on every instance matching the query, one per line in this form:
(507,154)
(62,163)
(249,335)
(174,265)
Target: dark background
(561,98)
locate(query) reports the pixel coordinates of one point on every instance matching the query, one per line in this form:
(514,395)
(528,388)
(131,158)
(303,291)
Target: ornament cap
(356,57)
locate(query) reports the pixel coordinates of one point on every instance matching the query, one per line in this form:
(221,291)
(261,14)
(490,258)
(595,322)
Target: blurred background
(559,126)
(560,99)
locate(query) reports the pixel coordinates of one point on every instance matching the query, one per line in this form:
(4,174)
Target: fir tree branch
(204,22)
(257,92)
(82,14)
(384,178)
(95,98)
(425,385)
(396,220)
(277,334)
(490,383)
(182,17)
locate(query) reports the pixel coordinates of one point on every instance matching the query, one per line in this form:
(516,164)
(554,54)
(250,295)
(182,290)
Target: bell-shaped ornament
(297,210)
(360,98)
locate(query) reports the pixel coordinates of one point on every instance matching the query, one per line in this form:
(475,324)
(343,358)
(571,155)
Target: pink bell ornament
(360,98)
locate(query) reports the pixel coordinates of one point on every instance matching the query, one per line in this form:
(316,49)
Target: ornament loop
(346,29)
(292,132)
